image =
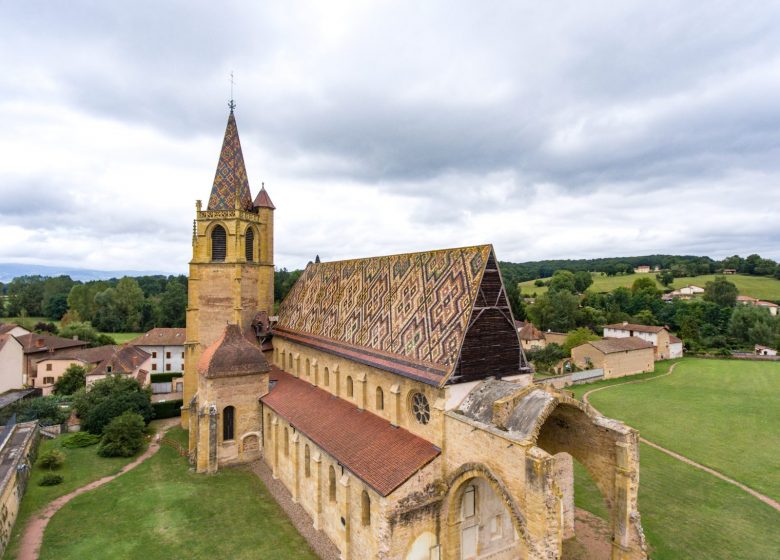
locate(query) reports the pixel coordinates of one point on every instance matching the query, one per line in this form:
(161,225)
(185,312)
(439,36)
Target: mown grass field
(755,286)
(720,413)
(161,510)
(81,467)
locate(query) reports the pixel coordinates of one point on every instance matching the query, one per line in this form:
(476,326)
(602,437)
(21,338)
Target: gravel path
(320,543)
(30,546)
(766,499)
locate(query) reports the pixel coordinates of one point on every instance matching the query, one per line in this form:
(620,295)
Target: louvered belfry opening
(250,245)
(218,244)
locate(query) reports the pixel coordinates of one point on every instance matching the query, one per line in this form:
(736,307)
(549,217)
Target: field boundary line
(682,458)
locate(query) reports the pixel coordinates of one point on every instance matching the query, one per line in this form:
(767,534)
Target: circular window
(420,408)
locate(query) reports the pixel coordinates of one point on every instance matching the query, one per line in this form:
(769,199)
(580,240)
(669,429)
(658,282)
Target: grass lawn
(721,413)
(756,286)
(161,510)
(81,467)
(122,337)
(661,367)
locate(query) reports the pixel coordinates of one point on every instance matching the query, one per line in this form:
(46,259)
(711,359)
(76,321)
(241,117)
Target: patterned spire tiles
(230,181)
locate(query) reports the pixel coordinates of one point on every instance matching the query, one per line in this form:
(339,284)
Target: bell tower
(232,268)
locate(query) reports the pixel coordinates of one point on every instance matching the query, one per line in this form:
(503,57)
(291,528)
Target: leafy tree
(645,317)
(283,282)
(109,398)
(515,302)
(745,321)
(41,327)
(736,262)
(107,316)
(563,280)
(46,410)
(25,294)
(750,264)
(52,460)
(721,292)
(644,284)
(128,298)
(545,358)
(81,298)
(55,296)
(173,305)
(582,280)
(86,332)
(665,277)
(578,337)
(555,310)
(123,436)
(74,378)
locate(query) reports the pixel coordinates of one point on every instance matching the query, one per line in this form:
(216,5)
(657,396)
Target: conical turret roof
(262,200)
(232,354)
(230,181)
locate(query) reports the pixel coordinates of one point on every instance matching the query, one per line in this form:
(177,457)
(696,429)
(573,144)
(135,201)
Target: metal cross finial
(231,103)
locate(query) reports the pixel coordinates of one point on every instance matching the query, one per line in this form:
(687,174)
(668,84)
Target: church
(390,395)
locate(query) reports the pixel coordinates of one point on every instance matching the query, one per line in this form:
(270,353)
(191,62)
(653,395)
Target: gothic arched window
(365,509)
(218,243)
(228,421)
(249,241)
(380,399)
(350,388)
(332,484)
(307,461)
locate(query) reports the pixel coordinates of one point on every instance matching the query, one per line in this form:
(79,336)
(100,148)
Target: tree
(555,310)
(86,332)
(81,298)
(123,436)
(578,337)
(582,280)
(644,284)
(74,378)
(25,295)
(173,305)
(545,358)
(55,296)
(108,398)
(744,321)
(46,410)
(665,277)
(128,298)
(563,280)
(721,292)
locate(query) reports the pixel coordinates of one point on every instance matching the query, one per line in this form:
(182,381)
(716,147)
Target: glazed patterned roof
(409,312)
(231,180)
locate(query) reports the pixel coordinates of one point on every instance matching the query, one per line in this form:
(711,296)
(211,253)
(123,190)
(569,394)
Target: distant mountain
(9,271)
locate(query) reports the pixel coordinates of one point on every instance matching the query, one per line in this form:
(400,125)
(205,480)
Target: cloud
(552,130)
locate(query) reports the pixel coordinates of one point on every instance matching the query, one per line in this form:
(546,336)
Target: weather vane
(231,103)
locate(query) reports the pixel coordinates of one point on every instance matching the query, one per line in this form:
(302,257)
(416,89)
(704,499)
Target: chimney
(75,337)
(39,342)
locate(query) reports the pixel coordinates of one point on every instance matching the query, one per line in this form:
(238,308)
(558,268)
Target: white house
(657,336)
(768,305)
(765,351)
(166,347)
(13,329)
(11,363)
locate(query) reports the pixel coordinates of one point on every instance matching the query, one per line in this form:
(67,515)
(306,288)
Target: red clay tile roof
(86,355)
(49,342)
(530,332)
(674,340)
(262,200)
(627,344)
(232,354)
(7,327)
(634,327)
(381,456)
(125,360)
(161,337)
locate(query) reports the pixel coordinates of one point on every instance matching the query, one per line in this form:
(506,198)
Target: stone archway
(250,446)
(609,452)
(495,498)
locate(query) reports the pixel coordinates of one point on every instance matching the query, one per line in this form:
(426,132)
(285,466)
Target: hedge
(164,377)
(167,409)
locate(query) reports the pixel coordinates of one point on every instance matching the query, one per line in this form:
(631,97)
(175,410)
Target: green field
(720,413)
(761,287)
(161,510)
(120,338)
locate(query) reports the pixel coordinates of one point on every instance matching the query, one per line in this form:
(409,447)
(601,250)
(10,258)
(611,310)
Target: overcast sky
(550,129)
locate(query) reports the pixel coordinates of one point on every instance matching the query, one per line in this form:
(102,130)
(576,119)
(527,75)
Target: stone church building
(391,396)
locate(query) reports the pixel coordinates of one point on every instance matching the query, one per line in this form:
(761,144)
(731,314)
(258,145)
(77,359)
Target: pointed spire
(317,260)
(262,200)
(231,186)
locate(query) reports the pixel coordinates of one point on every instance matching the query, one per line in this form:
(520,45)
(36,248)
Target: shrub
(80,439)
(50,479)
(46,410)
(167,409)
(74,378)
(109,398)
(52,460)
(123,437)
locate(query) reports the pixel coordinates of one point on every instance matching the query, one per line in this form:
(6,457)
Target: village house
(659,337)
(13,329)
(51,368)
(765,351)
(39,346)
(642,269)
(166,346)
(11,363)
(124,360)
(393,400)
(618,357)
(531,338)
(768,305)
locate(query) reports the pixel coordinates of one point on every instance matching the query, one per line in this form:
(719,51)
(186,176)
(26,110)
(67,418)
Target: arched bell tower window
(228,420)
(249,240)
(218,244)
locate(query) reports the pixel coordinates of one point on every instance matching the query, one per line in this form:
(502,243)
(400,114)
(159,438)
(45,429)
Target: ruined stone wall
(17,455)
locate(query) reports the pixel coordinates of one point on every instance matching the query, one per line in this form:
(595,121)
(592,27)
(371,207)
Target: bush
(74,378)
(167,409)
(123,437)
(80,439)
(46,410)
(50,479)
(52,460)
(109,398)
